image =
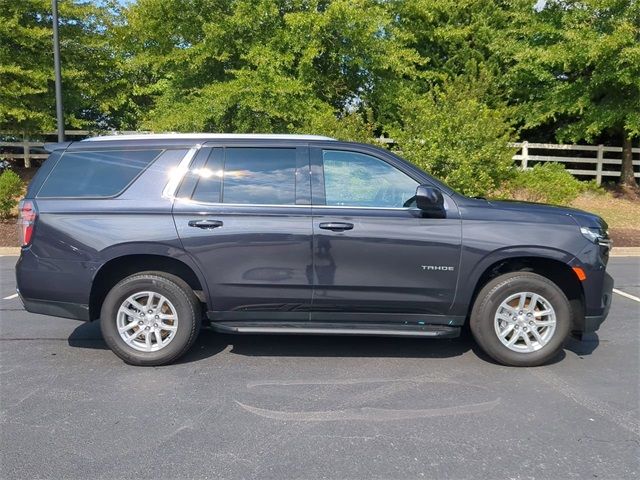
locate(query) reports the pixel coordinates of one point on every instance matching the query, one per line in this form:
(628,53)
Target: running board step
(308,328)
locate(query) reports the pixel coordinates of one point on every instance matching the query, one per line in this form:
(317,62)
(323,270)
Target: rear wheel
(150,318)
(521,319)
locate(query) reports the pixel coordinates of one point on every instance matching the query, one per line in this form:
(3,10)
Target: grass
(617,212)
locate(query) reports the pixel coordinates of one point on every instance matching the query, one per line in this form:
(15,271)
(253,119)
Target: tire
(176,320)
(495,313)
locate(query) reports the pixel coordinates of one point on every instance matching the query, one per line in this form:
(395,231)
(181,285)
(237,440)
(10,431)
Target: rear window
(95,174)
(258,176)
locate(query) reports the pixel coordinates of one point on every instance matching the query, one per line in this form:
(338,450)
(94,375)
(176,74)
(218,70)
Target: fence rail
(27,153)
(34,150)
(598,161)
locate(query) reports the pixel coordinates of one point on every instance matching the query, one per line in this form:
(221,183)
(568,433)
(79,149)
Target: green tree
(263,65)
(94,90)
(456,38)
(576,65)
(451,133)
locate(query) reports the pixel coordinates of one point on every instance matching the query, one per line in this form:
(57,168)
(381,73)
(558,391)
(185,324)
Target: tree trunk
(626,174)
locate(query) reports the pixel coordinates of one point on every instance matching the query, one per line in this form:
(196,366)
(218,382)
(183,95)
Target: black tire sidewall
(186,309)
(490,298)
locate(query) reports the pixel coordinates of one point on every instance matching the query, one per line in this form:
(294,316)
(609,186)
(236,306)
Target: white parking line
(625,294)
(10,297)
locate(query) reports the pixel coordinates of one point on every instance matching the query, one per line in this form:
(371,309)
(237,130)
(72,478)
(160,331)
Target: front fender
(475,264)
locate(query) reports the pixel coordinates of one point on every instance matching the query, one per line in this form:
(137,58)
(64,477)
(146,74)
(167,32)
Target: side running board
(302,328)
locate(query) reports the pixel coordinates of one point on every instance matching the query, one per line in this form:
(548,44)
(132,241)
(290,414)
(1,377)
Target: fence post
(27,160)
(599,164)
(525,155)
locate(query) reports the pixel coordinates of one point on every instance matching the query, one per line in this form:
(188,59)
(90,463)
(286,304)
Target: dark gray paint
(269,260)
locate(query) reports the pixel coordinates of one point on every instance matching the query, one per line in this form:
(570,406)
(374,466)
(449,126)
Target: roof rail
(206,136)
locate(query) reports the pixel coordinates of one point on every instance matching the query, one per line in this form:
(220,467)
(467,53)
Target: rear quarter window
(96,174)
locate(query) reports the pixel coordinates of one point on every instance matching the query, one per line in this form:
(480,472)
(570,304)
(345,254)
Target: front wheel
(521,319)
(150,318)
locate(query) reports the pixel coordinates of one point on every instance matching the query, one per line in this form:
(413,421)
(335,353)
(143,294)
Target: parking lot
(317,407)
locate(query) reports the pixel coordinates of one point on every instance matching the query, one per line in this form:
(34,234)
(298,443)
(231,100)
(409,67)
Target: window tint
(209,178)
(358,180)
(95,174)
(260,176)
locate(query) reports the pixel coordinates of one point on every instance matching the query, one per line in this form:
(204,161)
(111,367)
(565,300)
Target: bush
(10,189)
(453,134)
(546,183)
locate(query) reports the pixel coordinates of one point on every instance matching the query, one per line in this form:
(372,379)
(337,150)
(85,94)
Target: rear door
(243,213)
(375,255)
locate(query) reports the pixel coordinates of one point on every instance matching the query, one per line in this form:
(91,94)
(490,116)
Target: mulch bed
(9,234)
(622,237)
(625,237)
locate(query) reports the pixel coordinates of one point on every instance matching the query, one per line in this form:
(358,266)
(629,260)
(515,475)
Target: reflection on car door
(372,248)
(243,213)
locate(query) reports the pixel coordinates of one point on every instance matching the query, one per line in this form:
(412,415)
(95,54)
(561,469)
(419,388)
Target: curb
(10,251)
(625,252)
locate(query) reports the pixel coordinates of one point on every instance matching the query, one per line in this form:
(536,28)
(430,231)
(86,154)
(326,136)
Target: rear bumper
(59,288)
(75,311)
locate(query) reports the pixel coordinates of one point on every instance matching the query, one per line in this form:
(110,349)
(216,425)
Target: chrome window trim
(181,170)
(172,186)
(219,204)
(267,205)
(363,208)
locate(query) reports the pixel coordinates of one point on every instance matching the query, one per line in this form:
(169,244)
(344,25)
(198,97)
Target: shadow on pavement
(87,335)
(327,346)
(583,347)
(210,343)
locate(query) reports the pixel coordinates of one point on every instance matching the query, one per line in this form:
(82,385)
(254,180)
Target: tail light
(26,221)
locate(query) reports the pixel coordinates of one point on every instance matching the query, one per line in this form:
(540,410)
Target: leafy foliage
(579,63)
(263,66)
(576,65)
(94,87)
(545,182)
(11,187)
(452,81)
(451,133)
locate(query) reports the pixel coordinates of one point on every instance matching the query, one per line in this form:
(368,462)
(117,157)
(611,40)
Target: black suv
(156,235)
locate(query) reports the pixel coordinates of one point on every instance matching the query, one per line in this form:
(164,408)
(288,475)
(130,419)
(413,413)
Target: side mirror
(430,201)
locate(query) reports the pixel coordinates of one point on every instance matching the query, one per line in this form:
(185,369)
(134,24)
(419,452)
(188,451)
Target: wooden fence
(27,151)
(581,160)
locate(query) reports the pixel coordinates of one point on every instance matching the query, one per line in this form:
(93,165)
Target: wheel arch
(549,263)
(119,267)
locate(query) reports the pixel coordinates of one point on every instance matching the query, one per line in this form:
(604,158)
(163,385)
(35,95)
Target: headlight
(596,235)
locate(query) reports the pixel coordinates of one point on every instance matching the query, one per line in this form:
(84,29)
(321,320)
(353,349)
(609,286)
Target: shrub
(10,189)
(547,183)
(453,134)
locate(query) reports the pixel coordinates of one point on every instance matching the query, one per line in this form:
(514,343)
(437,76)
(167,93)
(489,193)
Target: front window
(358,180)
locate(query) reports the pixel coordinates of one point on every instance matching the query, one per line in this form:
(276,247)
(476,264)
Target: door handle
(206,224)
(336,226)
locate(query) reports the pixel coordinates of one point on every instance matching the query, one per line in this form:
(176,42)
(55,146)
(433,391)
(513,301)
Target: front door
(375,255)
(243,214)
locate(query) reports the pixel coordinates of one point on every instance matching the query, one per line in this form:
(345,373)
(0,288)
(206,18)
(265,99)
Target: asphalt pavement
(279,407)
